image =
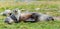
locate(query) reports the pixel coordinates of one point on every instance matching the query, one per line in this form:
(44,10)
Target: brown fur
(25,17)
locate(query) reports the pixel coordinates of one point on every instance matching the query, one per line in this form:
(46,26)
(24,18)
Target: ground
(46,7)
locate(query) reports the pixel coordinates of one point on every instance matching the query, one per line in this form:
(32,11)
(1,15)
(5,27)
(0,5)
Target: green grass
(48,0)
(28,25)
(52,10)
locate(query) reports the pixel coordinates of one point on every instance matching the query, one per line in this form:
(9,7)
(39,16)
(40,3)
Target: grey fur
(6,13)
(42,17)
(11,19)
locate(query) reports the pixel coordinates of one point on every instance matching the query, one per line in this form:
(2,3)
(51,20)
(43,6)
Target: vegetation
(51,8)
